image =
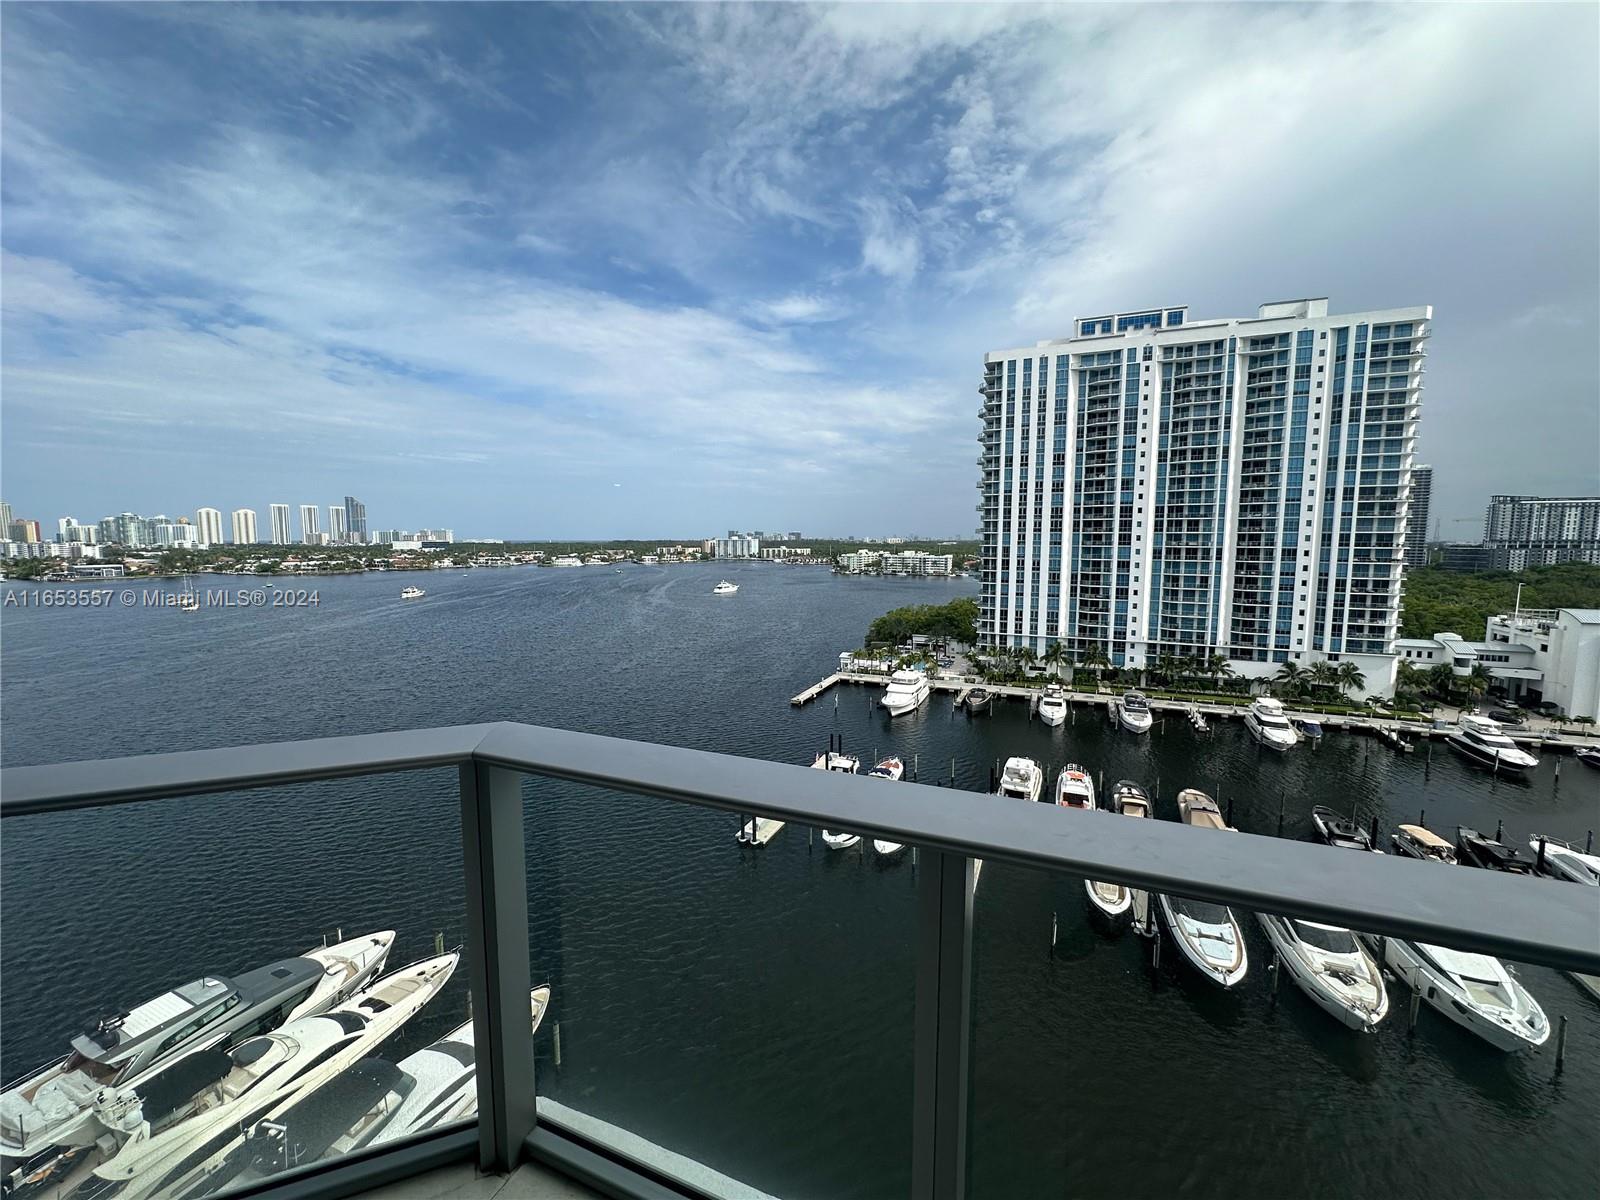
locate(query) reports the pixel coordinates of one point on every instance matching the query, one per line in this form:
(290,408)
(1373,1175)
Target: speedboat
(54,1110)
(1268,725)
(1053,705)
(1484,742)
(1476,849)
(725,589)
(1133,712)
(892,769)
(979,699)
(1328,964)
(412,593)
(1562,860)
(906,691)
(844,764)
(1589,756)
(1473,990)
(1339,831)
(1414,841)
(1021,779)
(1114,899)
(1074,788)
(1207,934)
(170,1134)
(1309,728)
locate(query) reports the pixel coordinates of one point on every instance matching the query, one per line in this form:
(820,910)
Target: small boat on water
(1113,899)
(980,700)
(725,589)
(1414,841)
(1207,934)
(907,691)
(1309,728)
(1074,787)
(188,599)
(1133,713)
(1329,965)
(1589,756)
(1562,860)
(1337,830)
(1484,742)
(1476,849)
(894,770)
(1021,779)
(1053,705)
(1267,723)
(412,593)
(1473,990)
(844,764)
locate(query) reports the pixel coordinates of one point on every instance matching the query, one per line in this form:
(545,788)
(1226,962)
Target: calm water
(752,1008)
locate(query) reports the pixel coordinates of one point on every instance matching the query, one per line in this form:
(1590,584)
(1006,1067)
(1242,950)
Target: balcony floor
(463,1181)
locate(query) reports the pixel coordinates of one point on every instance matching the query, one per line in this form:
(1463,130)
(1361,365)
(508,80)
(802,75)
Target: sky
(614,271)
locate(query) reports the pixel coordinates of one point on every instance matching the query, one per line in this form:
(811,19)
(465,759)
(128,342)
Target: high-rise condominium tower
(208,526)
(1156,486)
(336,529)
(310,525)
(1418,516)
(280,524)
(244,526)
(355,519)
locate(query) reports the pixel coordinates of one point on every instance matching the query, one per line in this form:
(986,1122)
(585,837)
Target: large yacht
(1133,712)
(907,691)
(1207,934)
(1267,723)
(1328,964)
(53,1112)
(1053,704)
(1473,990)
(1485,743)
(1022,779)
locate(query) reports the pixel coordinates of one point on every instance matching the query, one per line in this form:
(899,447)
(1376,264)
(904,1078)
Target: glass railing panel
(737,1016)
(203,992)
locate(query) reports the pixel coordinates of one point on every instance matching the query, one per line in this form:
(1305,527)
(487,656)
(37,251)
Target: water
(752,1008)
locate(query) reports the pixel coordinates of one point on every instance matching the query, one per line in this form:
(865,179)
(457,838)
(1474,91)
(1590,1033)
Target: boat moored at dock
(1336,830)
(1133,713)
(1021,779)
(1074,787)
(1415,841)
(1474,849)
(1114,899)
(892,770)
(1330,966)
(1560,859)
(1484,742)
(1473,990)
(1053,704)
(1267,723)
(907,691)
(844,764)
(1207,934)
(980,700)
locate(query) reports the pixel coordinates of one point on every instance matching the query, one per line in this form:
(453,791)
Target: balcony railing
(1523,919)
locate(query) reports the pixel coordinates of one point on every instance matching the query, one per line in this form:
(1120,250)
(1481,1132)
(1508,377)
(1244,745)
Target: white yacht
(1113,899)
(1328,964)
(1022,779)
(412,593)
(844,764)
(1485,743)
(906,692)
(197,1118)
(188,599)
(55,1111)
(892,769)
(1074,787)
(566,560)
(1053,704)
(1133,712)
(725,589)
(1207,934)
(1562,860)
(1473,990)
(1267,723)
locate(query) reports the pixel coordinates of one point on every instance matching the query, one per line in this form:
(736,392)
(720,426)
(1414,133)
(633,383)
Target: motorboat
(1021,779)
(907,691)
(725,589)
(445,1078)
(892,769)
(1562,860)
(1114,899)
(1484,742)
(844,764)
(1309,728)
(1329,965)
(412,593)
(1473,990)
(1340,831)
(1207,934)
(1589,756)
(1414,841)
(1074,787)
(1133,713)
(177,1129)
(54,1111)
(1053,705)
(1391,738)
(1267,723)
(979,699)
(1474,849)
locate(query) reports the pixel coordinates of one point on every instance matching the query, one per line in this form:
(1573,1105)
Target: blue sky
(617,271)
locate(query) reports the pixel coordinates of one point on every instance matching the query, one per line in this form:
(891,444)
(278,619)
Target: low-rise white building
(1548,655)
(907,562)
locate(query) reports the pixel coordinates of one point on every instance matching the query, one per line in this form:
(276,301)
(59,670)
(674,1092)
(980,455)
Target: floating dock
(763,831)
(816,689)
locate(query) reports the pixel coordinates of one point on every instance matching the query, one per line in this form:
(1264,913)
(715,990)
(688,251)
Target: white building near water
(208,524)
(737,545)
(907,562)
(280,524)
(1158,485)
(244,526)
(1535,655)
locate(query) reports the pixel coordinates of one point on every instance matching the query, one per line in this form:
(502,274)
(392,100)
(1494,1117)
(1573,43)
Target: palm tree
(1442,680)
(1054,657)
(1349,677)
(1291,678)
(1219,668)
(1027,658)
(1476,682)
(1323,675)
(1094,659)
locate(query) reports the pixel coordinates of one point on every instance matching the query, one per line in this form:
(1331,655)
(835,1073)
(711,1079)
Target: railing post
(943,1016)
(497,959)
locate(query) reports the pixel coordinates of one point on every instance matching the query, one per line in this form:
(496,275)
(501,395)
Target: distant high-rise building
(1154,486)
(336,527)
(24,530)
(208,524)
(355,519)
(310,524)
(737,545)
(5,518)
(280,524)
(62,525)
(1417,517)
(1537,531)
(244,526)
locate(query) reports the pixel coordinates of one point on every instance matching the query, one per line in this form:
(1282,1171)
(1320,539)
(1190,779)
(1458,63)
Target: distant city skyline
(326,245)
